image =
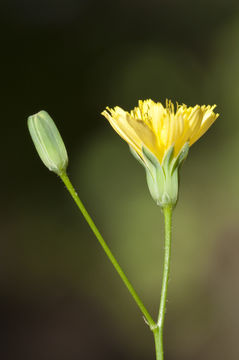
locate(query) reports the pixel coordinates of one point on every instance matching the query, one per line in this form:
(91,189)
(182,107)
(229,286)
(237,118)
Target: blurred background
(60,298)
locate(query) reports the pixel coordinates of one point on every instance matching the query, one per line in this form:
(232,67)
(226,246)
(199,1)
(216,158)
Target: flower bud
(48,142)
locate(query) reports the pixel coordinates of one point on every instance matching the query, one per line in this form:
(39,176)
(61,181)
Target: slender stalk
(157,342)
(106,249)
(158,333)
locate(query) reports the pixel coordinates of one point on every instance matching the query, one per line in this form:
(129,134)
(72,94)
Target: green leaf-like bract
(162,178)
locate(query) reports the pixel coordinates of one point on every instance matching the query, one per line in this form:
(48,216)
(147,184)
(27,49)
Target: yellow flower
(160,137)
(158,128)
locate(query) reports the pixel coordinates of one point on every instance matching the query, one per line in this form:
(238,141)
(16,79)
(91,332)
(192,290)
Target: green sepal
(136,155)
(168,158)
(162,178)
(181,157)
(150,161)
(154,174)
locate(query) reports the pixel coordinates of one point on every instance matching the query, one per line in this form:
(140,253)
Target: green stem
(158,333)
(105,247)
(159,353)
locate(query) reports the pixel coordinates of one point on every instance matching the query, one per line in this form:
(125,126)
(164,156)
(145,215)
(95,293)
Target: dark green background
(60,299)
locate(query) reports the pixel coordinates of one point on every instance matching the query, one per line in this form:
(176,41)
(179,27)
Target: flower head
(159,137)
(158,128)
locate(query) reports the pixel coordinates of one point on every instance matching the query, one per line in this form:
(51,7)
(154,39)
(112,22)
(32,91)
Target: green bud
(162,178)
(48,142)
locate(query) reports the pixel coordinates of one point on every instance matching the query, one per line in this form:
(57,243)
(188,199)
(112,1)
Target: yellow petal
(208,119)
(120,125)
(144,133)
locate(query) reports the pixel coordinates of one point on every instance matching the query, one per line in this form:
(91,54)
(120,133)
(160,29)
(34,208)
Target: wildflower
(160,137)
